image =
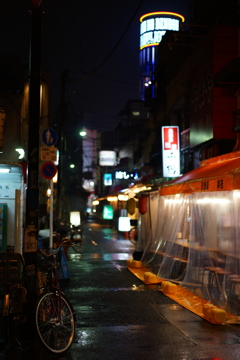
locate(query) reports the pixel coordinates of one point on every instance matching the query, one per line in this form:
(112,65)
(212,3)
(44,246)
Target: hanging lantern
(142,204)
(131,206)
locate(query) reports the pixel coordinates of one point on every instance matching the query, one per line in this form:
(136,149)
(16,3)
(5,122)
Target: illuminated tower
(153,26)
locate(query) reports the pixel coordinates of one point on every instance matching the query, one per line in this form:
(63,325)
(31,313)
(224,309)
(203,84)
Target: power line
(106,78)
(115,47)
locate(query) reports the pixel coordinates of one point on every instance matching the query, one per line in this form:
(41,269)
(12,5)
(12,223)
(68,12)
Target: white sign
(107,158)
(170,151)
(123,212)
(48,153)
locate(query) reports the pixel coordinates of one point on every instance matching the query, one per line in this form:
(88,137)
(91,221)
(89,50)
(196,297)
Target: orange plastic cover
(219,173)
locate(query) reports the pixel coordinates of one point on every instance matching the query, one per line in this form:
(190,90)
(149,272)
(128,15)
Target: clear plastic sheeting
(166,253)
(209,243)
(147,223)
(195,241)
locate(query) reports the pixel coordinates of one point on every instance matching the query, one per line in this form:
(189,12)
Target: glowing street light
(82,133)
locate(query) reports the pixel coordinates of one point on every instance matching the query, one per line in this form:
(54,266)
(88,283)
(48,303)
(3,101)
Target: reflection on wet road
(97,256)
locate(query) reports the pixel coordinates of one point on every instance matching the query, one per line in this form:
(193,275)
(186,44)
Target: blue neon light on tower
(153,26)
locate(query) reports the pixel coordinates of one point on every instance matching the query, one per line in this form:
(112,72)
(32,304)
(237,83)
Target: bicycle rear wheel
(78,237)
(55,322)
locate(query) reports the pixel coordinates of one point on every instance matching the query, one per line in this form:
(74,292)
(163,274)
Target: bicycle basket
(46,264)
(11,268)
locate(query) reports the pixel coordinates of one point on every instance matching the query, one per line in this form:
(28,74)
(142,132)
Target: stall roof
(216,174)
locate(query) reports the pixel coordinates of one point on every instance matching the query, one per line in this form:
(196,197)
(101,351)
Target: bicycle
(54,316)
(76,234)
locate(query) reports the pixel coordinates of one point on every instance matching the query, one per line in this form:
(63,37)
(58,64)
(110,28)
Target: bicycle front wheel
(55,322)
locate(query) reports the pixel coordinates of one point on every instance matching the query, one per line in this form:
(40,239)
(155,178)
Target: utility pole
(32,201)
(32,195)
(61,142)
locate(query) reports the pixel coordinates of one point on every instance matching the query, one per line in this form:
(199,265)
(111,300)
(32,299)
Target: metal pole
(51,216)
(61,143)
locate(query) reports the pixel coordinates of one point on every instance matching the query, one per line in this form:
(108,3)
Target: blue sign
(49,137)
(48,170)
(107,178)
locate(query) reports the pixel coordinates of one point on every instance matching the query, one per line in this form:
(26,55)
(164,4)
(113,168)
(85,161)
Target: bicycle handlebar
(65,241)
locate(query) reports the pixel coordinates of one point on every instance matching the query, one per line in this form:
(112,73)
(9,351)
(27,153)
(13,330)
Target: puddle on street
(98,256)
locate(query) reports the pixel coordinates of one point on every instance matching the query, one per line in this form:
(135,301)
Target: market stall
(197,238)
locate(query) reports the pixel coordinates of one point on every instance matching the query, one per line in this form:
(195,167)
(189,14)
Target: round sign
(48,170)
(49,137)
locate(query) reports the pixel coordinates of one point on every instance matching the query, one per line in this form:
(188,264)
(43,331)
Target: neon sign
(126,175)
(154,25)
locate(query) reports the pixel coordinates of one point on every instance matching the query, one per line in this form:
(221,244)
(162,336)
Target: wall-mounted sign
(170,151)
(154,25)
(107,158)
(107,179)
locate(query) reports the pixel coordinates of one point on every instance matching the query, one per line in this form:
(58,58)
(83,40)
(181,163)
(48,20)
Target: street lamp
(82,133)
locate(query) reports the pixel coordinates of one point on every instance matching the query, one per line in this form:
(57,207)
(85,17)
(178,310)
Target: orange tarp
(139,273)
(215,174)
(185,298)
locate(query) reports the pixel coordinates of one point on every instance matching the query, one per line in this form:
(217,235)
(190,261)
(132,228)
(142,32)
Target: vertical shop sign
(170,151)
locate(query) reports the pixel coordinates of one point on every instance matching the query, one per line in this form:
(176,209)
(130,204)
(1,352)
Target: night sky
(79,35)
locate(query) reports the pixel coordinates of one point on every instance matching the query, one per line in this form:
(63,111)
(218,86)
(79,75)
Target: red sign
(170,153)
(48,170)
(170,139)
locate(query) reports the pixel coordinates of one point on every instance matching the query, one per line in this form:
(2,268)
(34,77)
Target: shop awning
(215,174)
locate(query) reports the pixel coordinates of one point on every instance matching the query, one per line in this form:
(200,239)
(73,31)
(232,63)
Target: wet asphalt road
(118,317)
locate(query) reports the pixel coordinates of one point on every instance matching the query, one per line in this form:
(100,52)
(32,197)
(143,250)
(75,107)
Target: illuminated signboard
(154,25)
(126,175)
(107,179)
(107,212)
(170,151)
(124,223)
(107,158)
